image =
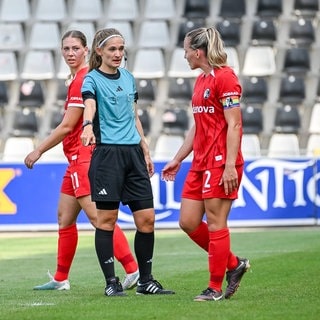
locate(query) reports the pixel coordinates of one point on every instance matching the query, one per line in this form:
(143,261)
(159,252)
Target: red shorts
(75,180)
(201,185)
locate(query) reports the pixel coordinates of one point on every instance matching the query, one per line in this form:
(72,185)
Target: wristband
(86,122)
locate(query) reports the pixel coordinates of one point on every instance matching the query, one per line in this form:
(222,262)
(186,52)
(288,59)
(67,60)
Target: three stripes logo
(103,192)
(110,260)
(152,288)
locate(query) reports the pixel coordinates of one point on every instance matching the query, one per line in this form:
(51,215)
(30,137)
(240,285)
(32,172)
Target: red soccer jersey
(213,94)
(72,145)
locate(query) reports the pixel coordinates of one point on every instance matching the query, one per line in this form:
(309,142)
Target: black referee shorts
(119,173)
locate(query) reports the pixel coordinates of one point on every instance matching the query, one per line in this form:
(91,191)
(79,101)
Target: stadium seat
(301,32)
(232,9)
(25,123)
(154,34)
(63,70)
(187,25)
(3,94)
(50,10)
(250,146)
(314,126)
(318,91)
(297,60)
(11,36)
(56,118)
(123,10)
(17,148)
(259,61)
(38,65)
(292,89)
(14,11)
(255,90)
(313,145)
(84,10)
(31,94)
(180,91)
(264,32)
(306,8)
(145,120)
(270,8)
(54,155)
(44,36)
(175,121)
(146,91)
(178,67)
(287,119)
(8,66)
(283,145)
(61,92)
(196,9)
(230,32)
(125,28)
(166,146)
(233,59)
(252,120)
(149,64)
(87,27)
(159,9)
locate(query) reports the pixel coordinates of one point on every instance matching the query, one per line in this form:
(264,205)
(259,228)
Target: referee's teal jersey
(115,95)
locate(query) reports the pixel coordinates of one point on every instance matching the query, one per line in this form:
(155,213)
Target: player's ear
(99,51)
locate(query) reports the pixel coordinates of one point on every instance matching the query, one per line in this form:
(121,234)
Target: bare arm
(87,136)
(66,126)
(230,177)
(171,169)
(144,146)
(187,146)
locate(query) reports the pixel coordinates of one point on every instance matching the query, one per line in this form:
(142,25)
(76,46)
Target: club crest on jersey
(206,94)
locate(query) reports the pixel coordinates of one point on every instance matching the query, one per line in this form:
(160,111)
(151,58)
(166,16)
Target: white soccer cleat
(130,280)
(53,284)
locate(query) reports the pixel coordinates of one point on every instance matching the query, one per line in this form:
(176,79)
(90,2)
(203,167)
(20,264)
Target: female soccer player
(75,190)
(121,166)
(213,180)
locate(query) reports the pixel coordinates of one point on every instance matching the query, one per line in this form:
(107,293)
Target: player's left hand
(229,180)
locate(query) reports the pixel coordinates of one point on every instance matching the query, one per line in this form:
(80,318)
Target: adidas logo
(103,192)
(110,260)
(119,89)
(152,288)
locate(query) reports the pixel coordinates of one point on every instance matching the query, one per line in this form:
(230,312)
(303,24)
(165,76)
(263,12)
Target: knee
(148,225)
(186,226)
(65,221)
(145,221)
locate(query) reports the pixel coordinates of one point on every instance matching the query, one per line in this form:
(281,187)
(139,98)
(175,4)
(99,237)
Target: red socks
(122,251)
(232,261)
(67,245)
(219,250)
(201,236)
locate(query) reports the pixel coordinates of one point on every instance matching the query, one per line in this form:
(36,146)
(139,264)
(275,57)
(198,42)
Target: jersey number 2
(206,182)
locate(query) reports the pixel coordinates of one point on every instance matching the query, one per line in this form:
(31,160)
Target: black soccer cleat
(114,288)
(209,295)
(152,287)
(234,277)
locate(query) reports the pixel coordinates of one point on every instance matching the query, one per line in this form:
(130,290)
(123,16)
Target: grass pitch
(283,282)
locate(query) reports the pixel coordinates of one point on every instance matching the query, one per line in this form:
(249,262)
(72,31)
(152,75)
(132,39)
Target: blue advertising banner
(273,192)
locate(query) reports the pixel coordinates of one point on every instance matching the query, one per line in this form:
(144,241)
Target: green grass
(283,282)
